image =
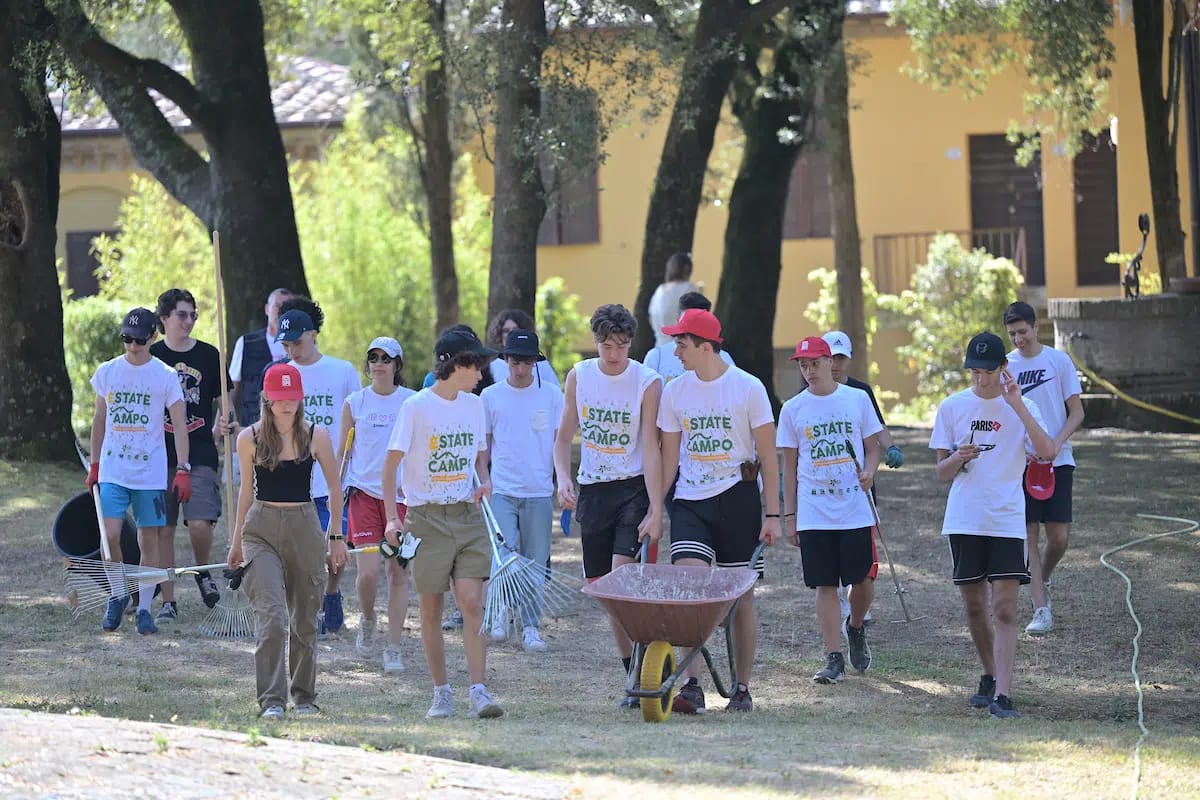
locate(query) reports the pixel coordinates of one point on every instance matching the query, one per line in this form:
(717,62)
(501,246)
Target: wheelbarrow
(661,607)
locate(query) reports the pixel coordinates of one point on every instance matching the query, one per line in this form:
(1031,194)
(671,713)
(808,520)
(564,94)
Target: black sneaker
(834,670)
(984,694)
(1002,708)
(860,651)
(690,699)
(209,592)
(741,700)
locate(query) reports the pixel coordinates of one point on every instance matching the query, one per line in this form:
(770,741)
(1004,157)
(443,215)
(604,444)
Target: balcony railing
(898,254)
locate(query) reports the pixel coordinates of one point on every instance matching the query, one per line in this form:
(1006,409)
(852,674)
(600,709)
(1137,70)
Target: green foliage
(90,328)
(823,312)
(956,294)
(1151,281)
(560,324)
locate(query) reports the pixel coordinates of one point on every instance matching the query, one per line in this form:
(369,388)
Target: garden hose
(1166,412)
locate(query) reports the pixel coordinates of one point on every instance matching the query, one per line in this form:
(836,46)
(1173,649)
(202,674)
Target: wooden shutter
(1096,212)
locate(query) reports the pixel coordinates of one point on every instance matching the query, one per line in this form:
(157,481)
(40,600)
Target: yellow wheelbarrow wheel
(658,664)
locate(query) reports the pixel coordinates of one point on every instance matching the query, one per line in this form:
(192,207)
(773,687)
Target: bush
(91,326)
(956,294)
(560,325)
(823,312)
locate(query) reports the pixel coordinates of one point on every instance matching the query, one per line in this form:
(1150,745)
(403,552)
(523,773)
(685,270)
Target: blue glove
(894,458)
(565,521)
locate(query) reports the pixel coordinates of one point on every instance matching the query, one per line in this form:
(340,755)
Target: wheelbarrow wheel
(658,664)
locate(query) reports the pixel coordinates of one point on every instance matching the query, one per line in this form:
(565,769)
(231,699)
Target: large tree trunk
(439,193)
(1160,110)
(519,197)
(35,392)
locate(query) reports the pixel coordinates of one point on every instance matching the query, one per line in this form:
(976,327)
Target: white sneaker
(392,660)
(306,709)
(272,713)
(499,631)
(443,703)
(482,705)
(364,642)
(533,640)
(1043,621)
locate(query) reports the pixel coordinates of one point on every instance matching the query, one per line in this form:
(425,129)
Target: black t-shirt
(854,383)
(199,370)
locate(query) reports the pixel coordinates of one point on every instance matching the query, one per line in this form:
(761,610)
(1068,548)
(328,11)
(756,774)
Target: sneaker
(392,660)
(860,651)
(453,622)
(1002,708)
(833,671)
(272,713)
(443,703)
(690,699)
(483,706)
(168,613)
(985,693)
(112,615)
(209,592)
(332,618)
(364,642)
(1043,621)
(306,709)
(145,623)
(741,700)
(499,630)
(533,640)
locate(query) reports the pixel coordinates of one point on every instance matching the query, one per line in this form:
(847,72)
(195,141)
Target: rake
(93,582)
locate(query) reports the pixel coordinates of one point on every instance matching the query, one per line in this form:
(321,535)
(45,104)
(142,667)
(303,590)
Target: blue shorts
(322,504)
(149,505)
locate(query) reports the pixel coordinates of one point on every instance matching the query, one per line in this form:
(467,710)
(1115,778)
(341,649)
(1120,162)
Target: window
(81,262)
(569,163)
(1096,212)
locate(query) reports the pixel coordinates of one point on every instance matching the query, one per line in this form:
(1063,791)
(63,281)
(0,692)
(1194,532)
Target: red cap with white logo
(282,382)
(812,347)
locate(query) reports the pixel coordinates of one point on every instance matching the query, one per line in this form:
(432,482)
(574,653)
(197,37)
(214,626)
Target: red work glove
(93,476)
(182,486)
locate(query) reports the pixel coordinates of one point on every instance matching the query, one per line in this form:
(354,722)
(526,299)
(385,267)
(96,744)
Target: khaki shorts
(454,544)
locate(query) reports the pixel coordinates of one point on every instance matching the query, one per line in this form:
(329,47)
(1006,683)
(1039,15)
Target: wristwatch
(184,467)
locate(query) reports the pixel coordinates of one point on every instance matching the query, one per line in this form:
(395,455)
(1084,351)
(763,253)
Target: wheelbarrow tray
(663,602)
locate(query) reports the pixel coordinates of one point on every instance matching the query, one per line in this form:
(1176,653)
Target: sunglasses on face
(133,340)
(186,315)
(379,358)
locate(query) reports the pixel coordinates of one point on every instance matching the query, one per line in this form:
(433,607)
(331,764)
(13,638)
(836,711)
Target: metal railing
(898,254)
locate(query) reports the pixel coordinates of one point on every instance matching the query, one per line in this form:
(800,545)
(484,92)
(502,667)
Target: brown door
(1005,195)
(1096,212)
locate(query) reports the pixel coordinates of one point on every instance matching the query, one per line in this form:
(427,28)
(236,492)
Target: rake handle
(879,530)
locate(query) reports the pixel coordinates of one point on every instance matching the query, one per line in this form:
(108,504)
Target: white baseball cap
(388,345)
(839,343)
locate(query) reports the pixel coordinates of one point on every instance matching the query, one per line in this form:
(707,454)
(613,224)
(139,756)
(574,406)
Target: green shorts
(454,544)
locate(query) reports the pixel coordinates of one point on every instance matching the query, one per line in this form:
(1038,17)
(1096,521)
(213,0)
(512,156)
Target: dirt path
(69,757)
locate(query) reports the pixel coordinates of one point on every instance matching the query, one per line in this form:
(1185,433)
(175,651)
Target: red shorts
(368,518)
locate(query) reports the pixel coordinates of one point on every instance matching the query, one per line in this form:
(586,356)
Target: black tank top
(289,482)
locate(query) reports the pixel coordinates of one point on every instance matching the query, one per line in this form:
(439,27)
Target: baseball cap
(293,325)
(811,347)
(139,323)
(839,344)
(282,382)
(1039,479)
(697,322)
(985,351)
(522,343)
(388,345)
(457,340)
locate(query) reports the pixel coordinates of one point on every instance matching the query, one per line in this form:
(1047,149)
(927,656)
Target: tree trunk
(35,392)
(1160,110)
(439,193)
(519,197)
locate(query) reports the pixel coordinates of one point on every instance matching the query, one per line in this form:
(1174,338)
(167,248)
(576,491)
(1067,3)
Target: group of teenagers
(692,439)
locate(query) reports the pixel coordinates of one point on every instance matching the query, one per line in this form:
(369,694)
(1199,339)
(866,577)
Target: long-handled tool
(900,590)
(94,582)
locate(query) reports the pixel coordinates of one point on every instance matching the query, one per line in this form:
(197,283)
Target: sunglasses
(186,315)
(379,358)
(133,340)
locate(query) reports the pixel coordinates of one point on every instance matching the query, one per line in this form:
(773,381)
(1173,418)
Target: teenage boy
(522,418)
(440,445)
(662,358)
(327,381)
(129,456)
(981,435)
(252,354)
(717,430)
(613,401)
(1046,376)
(822,487)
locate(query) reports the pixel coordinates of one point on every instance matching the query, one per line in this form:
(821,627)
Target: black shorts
(1058,507)
(608,514)
(723,529)
(833,558)
(994,558)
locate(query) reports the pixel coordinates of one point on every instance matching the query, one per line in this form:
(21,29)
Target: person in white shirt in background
(506,322)
(664,303)
(662,358)
(371,413)
(522,419)
(246,370)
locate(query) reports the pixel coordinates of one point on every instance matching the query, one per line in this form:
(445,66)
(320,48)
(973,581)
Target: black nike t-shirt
(199,370)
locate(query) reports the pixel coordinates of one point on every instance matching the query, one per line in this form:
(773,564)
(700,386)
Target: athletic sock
(627,662)
(444,687)
(477,686)
(145,596)
(115,573)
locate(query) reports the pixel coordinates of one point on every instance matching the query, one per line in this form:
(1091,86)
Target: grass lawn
(903,730)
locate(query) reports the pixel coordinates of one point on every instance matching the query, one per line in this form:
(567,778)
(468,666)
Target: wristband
(337,537)
(771,516)
(790,515)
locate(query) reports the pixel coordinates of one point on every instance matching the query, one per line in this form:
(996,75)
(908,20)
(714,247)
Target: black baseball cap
(985,351)
(457,340)
(523,344)
(140,323)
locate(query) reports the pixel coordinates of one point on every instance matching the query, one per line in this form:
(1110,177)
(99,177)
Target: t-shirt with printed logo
(818,427)
(328,381)
(1048,379)
(440,440)
(199,371)
(374,417)
(522,423)
(717,419)
(610,420)
(134,454)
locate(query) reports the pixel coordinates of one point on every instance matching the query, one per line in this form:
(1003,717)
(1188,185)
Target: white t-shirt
(134,454)
(239,348)
(610,420)
(328,381)
(541,368)
(717,420)
(664,307)
(662,360)
(829,497)
(522,424)
(1048,379)
(987,499)
(374,418)
(440,440)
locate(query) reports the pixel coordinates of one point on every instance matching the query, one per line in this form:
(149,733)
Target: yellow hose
(1166,412)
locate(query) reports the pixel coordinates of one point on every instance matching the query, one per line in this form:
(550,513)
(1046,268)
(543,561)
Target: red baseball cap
(812,347)
(1039,479)
(282,382)
(697,322)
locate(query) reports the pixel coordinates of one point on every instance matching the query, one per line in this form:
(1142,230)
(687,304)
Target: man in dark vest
(252,354)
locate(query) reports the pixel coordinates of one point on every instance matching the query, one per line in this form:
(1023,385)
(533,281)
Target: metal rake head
(91,584)
(231,618)
(520,584)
